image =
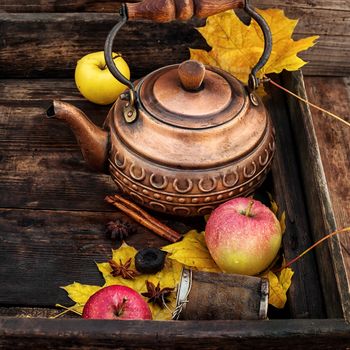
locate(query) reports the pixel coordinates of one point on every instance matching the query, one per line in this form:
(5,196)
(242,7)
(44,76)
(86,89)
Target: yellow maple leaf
(236,47)
(192,251)
(80,293)
(123,254)
(168,277)
(278,287)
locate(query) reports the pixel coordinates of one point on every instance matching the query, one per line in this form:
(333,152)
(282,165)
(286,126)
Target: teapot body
(188,167)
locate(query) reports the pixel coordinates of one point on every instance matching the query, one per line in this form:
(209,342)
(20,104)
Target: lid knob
(191,74)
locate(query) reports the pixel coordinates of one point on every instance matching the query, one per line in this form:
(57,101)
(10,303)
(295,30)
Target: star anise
(122,269)
(156,295)
(118,229)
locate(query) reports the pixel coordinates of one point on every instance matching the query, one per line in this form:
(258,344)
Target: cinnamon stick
(143,218)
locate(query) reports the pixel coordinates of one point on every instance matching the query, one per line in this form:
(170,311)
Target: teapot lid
(191,95)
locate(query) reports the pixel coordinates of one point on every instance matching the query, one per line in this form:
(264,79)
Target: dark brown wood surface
(289,196)
(52,212)
(46,249)
(146,46)
(112,6)
(68,37)
(241,335)
(331,263)
(334,95)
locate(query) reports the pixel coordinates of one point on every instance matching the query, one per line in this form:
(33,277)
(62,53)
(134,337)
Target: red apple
(243,236)
(117,303)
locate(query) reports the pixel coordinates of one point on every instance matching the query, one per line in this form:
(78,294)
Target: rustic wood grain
(290,198)
(40,156)
(68,37)
(102,334)
(113,6)
(314,5)
(60,6)
(34,242)
(31,312)
(55,180)
(22,91)
(27,117)
(334,95)
(43,250)
(145,45)
(321,214)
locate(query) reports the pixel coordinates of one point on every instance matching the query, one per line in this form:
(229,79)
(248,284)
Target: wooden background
(75,28)
(50,217)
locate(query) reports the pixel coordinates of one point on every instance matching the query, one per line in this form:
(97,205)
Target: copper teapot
(186,137)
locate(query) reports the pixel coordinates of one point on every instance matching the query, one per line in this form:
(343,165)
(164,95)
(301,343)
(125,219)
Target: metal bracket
(129,110)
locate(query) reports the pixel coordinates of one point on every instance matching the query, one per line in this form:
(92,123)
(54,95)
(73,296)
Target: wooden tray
(52,230)
(53,216)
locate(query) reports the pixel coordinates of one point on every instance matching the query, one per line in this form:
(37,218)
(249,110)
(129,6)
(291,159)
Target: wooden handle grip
(169,10)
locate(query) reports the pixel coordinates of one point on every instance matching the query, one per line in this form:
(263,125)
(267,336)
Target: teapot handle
(168,10)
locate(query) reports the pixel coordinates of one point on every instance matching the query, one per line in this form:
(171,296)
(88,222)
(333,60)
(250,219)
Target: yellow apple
(94,80)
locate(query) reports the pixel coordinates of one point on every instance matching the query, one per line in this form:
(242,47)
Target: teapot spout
(93,141)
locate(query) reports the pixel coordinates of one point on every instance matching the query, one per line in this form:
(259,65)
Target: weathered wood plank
(112,6)
(146,46)
(12,90)
(43,250)
(321,215)
(68,37)
(333,137)
(19,126)
(24,125)
(333,94)
(52,180)
(287,188)
(315,5)
(102,334)
(40,157)
(31,312)
(60,6)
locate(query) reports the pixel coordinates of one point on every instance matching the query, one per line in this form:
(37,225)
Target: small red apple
(117,302)
(243,236)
